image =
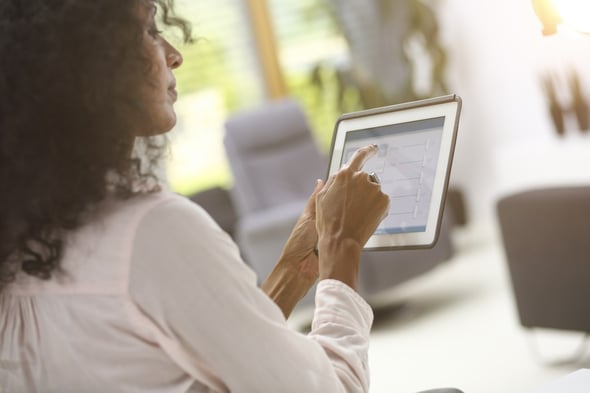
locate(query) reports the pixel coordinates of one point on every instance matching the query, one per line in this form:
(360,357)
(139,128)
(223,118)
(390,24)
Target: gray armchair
(275,161)
(546,237)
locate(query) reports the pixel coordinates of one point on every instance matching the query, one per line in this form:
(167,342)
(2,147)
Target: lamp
(572,13)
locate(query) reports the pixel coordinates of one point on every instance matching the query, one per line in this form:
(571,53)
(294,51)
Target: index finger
(360,157)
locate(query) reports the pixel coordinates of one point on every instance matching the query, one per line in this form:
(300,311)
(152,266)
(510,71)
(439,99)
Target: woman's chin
(158,126)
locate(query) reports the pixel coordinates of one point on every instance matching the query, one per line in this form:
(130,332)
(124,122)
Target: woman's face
(159,93)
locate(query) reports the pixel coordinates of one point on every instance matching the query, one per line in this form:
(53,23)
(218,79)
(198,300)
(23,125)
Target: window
(222,73)
(307,37)
(219,75)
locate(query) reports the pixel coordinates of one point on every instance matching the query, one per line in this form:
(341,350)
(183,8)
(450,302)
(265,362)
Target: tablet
(416,144)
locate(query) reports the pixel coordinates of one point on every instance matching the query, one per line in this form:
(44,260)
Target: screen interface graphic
(406,166)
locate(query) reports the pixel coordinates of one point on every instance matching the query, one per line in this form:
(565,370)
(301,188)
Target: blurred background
(524,127)
(495,58)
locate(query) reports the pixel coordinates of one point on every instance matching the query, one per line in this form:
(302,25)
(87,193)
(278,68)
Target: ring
(374,178)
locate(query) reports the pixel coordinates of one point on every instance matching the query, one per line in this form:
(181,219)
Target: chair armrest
(277,217)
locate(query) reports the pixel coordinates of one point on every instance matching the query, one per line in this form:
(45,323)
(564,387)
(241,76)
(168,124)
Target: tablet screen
(416,144)
(406,167)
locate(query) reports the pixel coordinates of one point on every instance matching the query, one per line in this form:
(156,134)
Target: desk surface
(576,382)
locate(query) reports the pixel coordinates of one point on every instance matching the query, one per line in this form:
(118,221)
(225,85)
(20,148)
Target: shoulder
(158,209)
(177,229)
(138,205)
(97,256)
(169,212)
(180,250)
(171,221)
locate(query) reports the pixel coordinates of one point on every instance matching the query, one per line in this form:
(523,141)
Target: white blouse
(155,298)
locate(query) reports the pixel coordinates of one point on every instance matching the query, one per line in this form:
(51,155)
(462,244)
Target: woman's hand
(349,209)
(339,218)
(297,269)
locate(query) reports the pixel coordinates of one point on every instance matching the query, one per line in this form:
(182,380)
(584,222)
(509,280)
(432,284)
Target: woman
(110,284)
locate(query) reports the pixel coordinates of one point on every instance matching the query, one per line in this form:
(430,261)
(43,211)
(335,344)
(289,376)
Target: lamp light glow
(548,15)
(574,13)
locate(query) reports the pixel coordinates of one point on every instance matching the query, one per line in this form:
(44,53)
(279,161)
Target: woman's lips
(173,93)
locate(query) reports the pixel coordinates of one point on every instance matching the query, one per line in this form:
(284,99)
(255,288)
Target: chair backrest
(217,202)
(273,156)
(546,236)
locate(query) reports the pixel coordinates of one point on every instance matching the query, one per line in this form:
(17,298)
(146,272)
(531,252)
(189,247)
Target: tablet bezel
(447,106)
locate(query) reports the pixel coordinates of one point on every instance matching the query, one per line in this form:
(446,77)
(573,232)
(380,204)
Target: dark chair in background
(275,160)
(217,202)
(546,237)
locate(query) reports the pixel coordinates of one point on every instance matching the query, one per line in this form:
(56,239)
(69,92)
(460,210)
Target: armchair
(545,233)
(275,161)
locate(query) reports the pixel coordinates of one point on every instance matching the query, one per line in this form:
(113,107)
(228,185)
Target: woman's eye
(154,32)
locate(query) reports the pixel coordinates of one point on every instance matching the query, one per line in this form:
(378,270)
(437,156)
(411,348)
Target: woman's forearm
(287,284)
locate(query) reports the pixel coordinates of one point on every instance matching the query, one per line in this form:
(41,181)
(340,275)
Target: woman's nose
(174,58)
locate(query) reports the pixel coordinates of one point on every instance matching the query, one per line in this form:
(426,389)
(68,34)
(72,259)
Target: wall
(496,57)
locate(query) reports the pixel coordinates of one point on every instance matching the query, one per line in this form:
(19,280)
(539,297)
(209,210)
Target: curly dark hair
(70,71)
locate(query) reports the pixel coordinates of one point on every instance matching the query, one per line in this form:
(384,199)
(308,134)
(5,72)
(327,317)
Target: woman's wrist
(340,260)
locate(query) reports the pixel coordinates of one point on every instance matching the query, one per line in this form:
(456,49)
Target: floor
(457,326)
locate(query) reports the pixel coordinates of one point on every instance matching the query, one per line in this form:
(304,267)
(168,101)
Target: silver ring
(374,178)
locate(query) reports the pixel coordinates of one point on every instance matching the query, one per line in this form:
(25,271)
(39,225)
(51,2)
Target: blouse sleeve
(192,290)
